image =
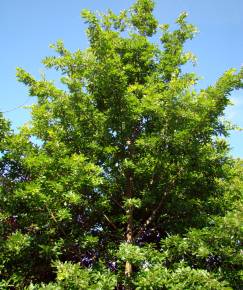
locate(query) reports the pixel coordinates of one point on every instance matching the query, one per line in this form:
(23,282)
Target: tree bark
(129,231)
(129,240)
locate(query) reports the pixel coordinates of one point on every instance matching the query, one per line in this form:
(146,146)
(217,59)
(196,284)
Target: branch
(54,219)
(110,222)
(158,207)
(151,217)
(117,203)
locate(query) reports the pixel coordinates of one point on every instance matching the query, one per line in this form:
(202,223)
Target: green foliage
(125,167)
(71,276)
(181,278)
(216,247)
(142,17)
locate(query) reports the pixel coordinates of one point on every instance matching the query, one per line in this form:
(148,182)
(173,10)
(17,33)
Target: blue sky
(27,27)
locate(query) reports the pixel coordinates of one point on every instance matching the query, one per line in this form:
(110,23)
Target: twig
(110,222)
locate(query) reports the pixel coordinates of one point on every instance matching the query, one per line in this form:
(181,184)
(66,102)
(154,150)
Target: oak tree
(122,179)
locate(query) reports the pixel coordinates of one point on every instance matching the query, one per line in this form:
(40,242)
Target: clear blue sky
(28,26)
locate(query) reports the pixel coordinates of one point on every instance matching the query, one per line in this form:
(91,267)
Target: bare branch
(110,222)
(151,217)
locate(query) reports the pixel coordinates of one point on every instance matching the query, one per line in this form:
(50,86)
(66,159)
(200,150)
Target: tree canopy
(123,178)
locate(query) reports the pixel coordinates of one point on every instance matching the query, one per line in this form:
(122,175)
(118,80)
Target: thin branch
(54,219)
(110,222)
(151,217)
(117,203)
(157,208)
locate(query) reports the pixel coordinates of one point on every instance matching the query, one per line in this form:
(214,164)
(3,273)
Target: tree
(121,178)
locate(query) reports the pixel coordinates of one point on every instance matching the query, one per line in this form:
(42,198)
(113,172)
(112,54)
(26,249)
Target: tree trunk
(129,239)
(129,232)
